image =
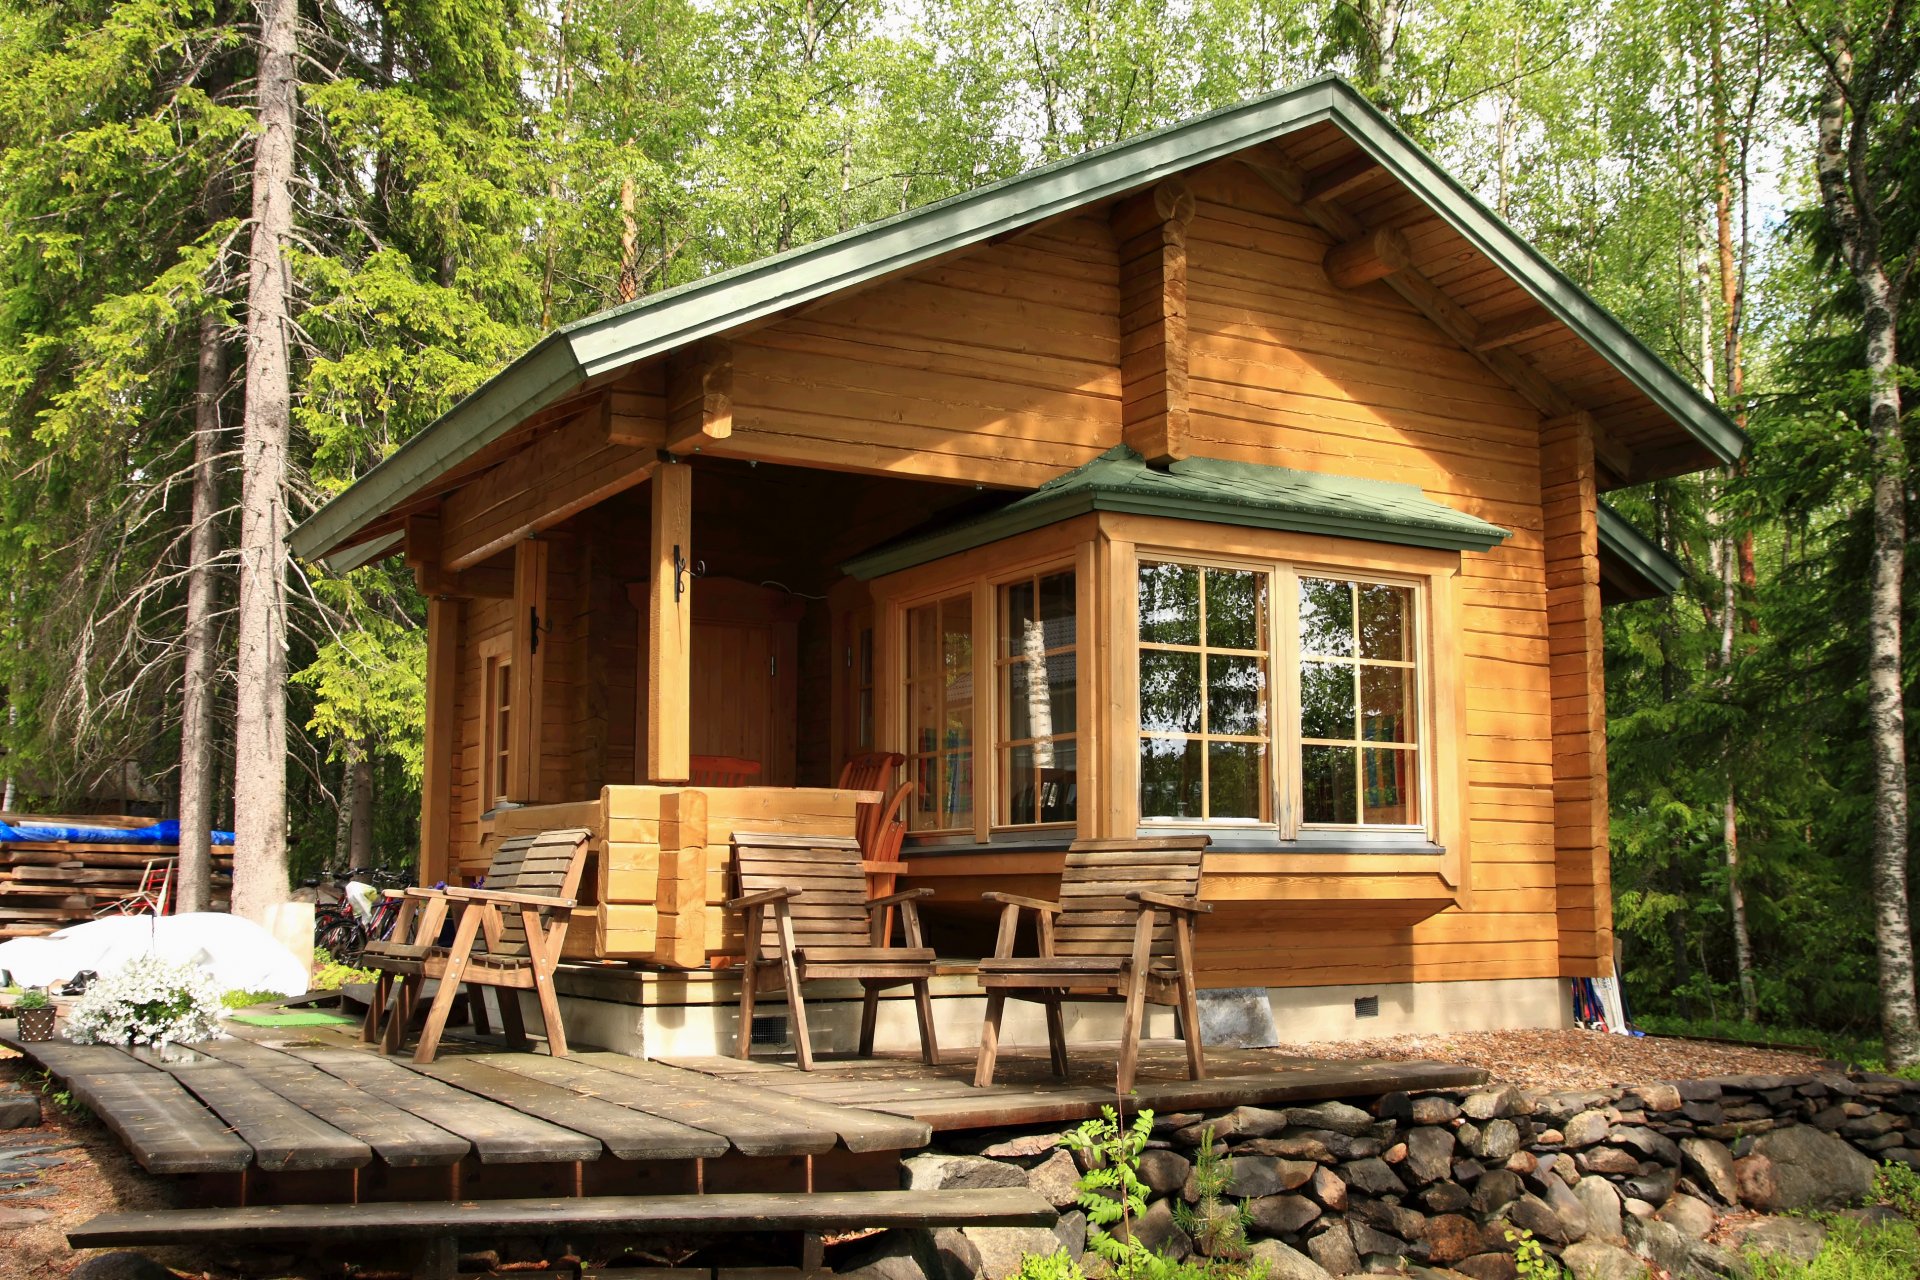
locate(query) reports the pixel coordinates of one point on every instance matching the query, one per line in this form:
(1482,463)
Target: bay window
(1037,696)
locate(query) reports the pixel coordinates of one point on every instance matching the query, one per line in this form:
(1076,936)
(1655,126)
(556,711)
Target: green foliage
(33,998)
(332,975)
(1113,1195)
(1853,1251)
(247,999)
(1532,1258)
(53,1091)
(1218,1228)
(1058,1265)
(1898,1185)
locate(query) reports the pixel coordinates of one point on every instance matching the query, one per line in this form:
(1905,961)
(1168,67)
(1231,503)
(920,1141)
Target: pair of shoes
(77,985)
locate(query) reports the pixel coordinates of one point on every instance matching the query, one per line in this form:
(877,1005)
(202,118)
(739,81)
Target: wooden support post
(1151,231)
(531,627)
(670,626)
(1374,256)
(1575,646)
(445,617)
(700,397)
(682,940)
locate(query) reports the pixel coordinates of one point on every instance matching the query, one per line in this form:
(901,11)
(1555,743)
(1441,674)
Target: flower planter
(34,1024)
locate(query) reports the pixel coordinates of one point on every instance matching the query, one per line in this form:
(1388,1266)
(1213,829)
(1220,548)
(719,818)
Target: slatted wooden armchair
(808,916)
(1122,930)
(416,932)
(507,939)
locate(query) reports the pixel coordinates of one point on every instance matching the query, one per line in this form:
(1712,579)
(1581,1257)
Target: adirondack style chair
(881,838)
(1122,930)
(808,915)
(416,932)
(507,939)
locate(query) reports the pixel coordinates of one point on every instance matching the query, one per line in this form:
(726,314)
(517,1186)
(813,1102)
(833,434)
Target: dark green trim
(1639,554)
(1211,491)
(351,558)
(607,342)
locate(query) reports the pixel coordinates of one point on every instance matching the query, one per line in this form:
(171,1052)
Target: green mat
(292,1018)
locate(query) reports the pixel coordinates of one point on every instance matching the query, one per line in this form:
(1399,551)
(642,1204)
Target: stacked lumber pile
(49,884)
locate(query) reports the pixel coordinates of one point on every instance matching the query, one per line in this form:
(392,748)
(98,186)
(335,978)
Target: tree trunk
(1847,195)
(260,719)
(197,749)
(359,803)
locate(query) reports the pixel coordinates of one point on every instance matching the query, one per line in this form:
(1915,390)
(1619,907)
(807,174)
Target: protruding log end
(1373,256)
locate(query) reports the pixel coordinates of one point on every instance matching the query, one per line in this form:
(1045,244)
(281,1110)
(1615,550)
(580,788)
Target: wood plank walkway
(315,1099)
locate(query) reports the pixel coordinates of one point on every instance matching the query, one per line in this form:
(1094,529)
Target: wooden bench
(434,1228)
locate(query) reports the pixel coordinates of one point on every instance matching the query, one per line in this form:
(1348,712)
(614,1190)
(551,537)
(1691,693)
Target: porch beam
(1376,255)
(559,475)
(1517,326)
(423,557)
(1151,231)
(670,626)
(699,397)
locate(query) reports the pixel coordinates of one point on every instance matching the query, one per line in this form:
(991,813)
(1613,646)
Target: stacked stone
(1449,1182)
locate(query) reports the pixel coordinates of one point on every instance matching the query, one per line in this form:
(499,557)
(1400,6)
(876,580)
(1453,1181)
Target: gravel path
(1571,1059)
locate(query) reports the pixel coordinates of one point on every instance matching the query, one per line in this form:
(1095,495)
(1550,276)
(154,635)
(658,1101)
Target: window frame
(1002,667)
(497,661)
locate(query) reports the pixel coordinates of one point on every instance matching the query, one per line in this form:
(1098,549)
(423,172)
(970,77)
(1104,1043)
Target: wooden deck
(270,1113)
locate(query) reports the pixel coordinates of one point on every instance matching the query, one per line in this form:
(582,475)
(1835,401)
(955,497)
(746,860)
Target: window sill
(1331,843)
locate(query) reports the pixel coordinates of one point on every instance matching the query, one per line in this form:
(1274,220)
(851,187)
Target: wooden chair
(870,771)
(808,915)
(1104,939)
(416,933)
(722,771)
(523,931)
(880,843)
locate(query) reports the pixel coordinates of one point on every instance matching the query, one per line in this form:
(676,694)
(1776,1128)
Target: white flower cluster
(149,1001)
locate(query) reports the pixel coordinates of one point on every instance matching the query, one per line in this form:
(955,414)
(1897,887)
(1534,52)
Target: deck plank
(499,1134)
(856,1128)
(400,1138)
(821,1212)
(283,1135)
(628,1133)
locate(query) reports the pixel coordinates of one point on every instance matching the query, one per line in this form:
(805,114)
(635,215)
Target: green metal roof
(1211,491)
(1639,555)
(565,360)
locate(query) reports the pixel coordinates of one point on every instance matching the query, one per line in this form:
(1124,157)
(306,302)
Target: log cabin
(1244,477)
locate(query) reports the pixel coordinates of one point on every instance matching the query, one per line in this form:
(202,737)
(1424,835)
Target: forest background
(465,174)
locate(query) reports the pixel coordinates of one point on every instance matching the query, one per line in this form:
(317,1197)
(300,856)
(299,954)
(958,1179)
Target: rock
(1657,1097)
(1057,1178)
(1709,1260)
(1337,1116)
(1467,1170)
(1408,1224)
(1608,1160)
(934,1172)
(1646,1142)
(1660,1243)
(1488,1266)
(1703,1112)
(1398,1151)
(1326,1187)
(1635,1207)
(1164,1172)
(1549,1137)
(1798,1239)
(1710,1164)
(1429,1154)
(1655,1188)
(120,1265)
(1157,1230)
(906,1255)
(1698,1090)
(1371,1242)
(1497,1140)
(1072,1232)
(1003,1249)
(1333,1250)
(1755,1182)
(1809,1170)
(20,1111)
(1495,1191)
(1250,1176)
(1602,1203)
(1282,1263)
(1695,1217)
(1569,1208)
(1595,1260)
(1586,1129)
(1433,1109)
(1533,1214)
(12,1219)
(1248,1122)
(1020,1144)
(1524,1163)
(1299,1146)
(1489,1104)
(1452,1236)
(1445,1197)
(1872,1126)
(1375,1177)
(1282,1215)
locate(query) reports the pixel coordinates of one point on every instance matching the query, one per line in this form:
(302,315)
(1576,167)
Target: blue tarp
(167,832)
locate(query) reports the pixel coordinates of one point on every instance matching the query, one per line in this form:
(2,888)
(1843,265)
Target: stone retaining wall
(1607,1180)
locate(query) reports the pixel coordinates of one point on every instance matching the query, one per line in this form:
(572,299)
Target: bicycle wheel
(344,940)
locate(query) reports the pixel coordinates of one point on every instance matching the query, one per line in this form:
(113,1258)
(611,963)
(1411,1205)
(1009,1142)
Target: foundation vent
(1363,1007)
(770,1029)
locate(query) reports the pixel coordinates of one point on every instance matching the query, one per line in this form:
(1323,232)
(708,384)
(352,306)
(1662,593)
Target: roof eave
(1639,554)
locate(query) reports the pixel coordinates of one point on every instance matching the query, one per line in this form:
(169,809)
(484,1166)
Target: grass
(1854,1251)
(1861,1050)
(247,999)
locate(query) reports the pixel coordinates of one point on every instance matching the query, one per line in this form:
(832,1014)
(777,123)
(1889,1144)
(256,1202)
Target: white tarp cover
(239,953)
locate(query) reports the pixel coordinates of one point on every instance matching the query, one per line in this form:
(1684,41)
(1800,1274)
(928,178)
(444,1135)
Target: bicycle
(342,927)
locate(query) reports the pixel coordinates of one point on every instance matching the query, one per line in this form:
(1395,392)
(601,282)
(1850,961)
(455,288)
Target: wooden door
(744,696)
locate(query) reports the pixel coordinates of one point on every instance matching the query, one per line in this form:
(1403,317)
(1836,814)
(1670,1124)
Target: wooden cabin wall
(814,765)
(999,367)
(1289,370)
